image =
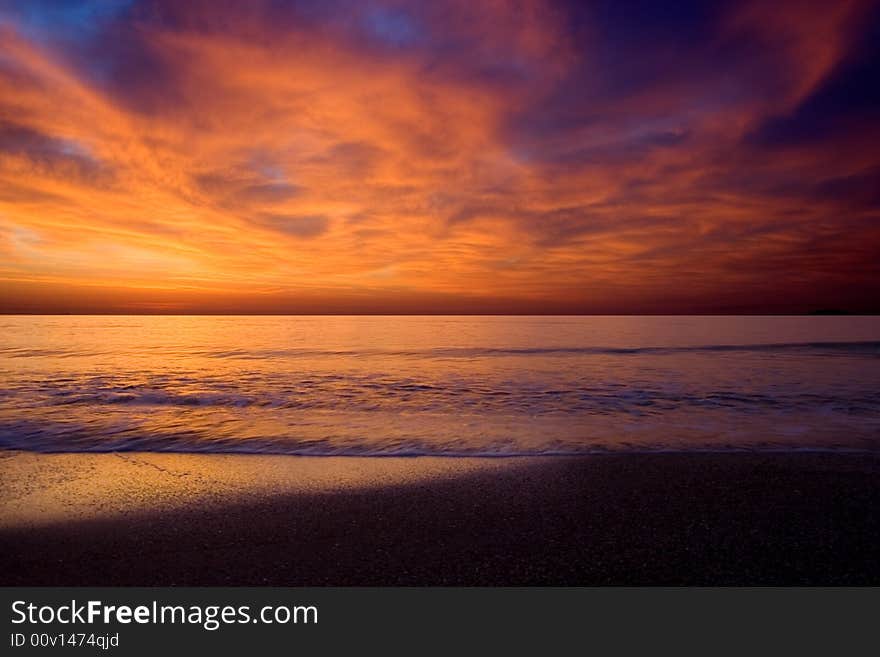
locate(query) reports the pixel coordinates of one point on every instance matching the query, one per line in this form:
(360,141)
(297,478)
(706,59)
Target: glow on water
(438,385)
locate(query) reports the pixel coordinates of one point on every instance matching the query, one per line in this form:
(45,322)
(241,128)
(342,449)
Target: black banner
(149,621)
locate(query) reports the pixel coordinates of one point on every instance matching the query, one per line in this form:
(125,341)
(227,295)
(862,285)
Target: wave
(444,435)
(453,401)
(869,347)
(366,451)
(390,396)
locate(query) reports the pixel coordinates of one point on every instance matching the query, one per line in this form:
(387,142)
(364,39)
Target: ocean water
(455,386)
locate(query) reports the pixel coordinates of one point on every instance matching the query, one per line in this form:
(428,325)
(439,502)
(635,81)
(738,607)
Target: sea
(499,386)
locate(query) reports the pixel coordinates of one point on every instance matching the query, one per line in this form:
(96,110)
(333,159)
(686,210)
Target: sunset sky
(472,156)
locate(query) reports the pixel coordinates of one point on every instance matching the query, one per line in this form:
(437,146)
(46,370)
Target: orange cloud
(478,158)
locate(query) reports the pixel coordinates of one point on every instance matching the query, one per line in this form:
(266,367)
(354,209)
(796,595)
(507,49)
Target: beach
(626,519)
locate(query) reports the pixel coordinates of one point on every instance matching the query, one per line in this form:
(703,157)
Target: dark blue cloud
(632,44)
(849,98)
(65,20)
(395,27)
(52,155)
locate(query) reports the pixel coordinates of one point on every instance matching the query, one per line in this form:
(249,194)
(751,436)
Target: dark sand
(731,519)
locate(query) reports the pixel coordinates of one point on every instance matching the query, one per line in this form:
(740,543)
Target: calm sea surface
(439,385)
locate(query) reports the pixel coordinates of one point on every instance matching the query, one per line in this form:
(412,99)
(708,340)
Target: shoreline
(632,519)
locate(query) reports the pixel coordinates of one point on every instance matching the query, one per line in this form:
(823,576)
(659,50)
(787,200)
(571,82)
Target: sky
(536,156)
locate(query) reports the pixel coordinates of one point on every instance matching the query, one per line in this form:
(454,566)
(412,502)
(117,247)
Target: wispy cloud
(450,156)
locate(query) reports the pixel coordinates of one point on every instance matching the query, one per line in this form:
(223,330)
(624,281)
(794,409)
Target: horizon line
(818,313)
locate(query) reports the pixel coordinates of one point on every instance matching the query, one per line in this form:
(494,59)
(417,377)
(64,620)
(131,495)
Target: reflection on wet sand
(41,489)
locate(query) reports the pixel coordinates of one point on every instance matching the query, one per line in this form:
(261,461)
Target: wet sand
(165,519)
